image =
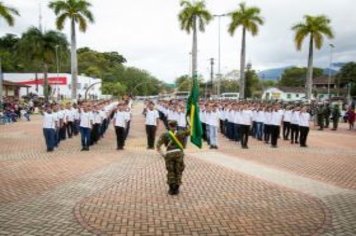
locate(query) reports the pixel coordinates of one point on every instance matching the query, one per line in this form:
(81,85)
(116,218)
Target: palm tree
(316,27)
(8,13)
(249,19)
(40,48)
(192,15)
(77,11)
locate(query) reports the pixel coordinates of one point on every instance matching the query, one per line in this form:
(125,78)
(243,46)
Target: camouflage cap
(172,123)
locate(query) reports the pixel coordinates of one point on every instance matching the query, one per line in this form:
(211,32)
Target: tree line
(39,51)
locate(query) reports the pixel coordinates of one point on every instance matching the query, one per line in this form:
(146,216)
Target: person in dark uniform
(327,113)
(320,117)
(335,116)
(174,157)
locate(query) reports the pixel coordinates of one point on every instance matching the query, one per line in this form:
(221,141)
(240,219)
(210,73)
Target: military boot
(171,189)
(176,189)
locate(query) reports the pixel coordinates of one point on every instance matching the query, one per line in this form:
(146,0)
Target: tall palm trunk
(195,50)
(45,82)
(309,82)
(74,61)
(242,64)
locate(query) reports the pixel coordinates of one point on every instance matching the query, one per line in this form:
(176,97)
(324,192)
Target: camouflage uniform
(320,117)
(327,113)
(174,157)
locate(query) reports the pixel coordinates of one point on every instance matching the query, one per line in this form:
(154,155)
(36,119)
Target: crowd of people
(12,110)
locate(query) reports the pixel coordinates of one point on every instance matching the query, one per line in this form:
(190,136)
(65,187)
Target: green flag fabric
(193,114)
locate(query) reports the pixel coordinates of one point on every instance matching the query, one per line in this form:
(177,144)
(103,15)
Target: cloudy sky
(147,33)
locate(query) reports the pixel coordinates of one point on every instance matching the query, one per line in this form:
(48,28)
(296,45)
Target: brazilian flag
(193,114)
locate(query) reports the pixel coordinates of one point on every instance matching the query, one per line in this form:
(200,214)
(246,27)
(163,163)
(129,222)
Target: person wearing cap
(174,157)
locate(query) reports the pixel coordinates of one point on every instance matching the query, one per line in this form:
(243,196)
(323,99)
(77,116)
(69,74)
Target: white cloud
(147,33)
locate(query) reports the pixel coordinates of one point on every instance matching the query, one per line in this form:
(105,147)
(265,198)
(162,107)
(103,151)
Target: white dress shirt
(49,121)
(295,118)
(246,117)
(151,117)
(276,118)
(86,119)
(287,116)
(304,118)
(120,119)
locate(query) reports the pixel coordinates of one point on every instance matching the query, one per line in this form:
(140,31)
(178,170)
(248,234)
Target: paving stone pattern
(260,191)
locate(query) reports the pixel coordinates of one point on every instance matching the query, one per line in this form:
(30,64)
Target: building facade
(59,85)
(288,94)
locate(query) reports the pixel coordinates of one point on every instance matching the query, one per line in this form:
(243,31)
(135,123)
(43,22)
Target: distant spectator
(351,117)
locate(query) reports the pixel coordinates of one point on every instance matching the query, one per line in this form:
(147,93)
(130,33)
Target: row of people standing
(239,120)
(89,119)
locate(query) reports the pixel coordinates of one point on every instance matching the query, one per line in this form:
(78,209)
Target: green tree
(183,83)
(40,48)
(347,77)
(77,11)
(7,48)
(8,13)
(316,27)
(296,76)
(249,19)
(253,86)
(192,17)
(115,89)
(229,86)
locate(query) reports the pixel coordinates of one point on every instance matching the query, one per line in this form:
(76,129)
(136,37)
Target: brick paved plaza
(259,191)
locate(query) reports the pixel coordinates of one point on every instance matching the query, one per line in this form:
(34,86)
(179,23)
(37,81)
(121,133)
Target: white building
(60,85)
(288,94)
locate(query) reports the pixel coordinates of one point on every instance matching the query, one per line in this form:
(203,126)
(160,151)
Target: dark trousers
(294,133)
(244,133)
(267,133)
(286,130)
(335,123)
(151,135)
(62,132)
(236,133)
(254,129)
(230,130)
(127,130)
(50,138)
(221,126)
(95,134)
(275,129)
(56,137)
(120,136)
(304,131)
(204,131)
(76,127)
(85,136)
(70,128)
(259,131)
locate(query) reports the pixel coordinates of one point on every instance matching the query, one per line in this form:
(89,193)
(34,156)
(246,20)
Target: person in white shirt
(295,125)
(70,120)
(286,122)
(267,124)
(95,132)
(276,121)
(213,124)
(304,119)
(259,123)
(49,125)
(62,123)
(246,122)
(151,122)
(120,123)
(85,126)
(76,119)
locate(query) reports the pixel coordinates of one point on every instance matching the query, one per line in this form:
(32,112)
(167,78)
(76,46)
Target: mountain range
(276,73)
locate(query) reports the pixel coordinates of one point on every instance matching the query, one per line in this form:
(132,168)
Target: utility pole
(212,75)
(40,17)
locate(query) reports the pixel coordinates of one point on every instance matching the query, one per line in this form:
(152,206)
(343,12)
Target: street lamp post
(331,60)
(219,51)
